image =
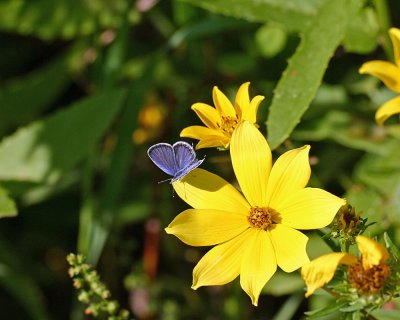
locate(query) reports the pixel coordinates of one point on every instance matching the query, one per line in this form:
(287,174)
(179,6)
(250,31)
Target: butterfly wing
(163,156)
(185,158)
(183,172)
(184,154)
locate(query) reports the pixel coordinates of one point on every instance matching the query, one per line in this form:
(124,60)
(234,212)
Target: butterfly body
(177,160)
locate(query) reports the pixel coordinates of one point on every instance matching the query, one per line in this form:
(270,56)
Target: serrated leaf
(48,19)
(7,205)
(306,67)
(22,98)
(294,14)
(43,150)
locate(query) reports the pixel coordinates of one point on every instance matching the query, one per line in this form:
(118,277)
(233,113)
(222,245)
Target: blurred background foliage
(87,86)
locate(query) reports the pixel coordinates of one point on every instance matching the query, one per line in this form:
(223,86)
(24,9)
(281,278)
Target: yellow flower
(389,73)
(366,274)
(222,120)
(254,232)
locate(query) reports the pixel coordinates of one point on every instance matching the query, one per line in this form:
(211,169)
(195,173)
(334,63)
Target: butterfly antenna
(170,180)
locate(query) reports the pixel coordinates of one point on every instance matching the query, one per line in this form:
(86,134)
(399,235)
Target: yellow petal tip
(168,230)
(195,287)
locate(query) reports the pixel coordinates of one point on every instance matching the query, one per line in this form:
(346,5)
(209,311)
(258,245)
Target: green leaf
(43,150)
(270,39)
(343,128)
(48,19)
(289,308)
(7,205)
(376,191)
(353,307)
(19,280)
(24,290)
(391,246)
(306,67)
(284,283)
(331,308)
(362,33)
(21,99)
(294,14)
(386,314)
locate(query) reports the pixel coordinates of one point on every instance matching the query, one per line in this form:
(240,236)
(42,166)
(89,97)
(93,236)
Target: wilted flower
(366,274)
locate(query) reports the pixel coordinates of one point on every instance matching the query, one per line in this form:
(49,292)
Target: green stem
(86,212)
(117,172)
(385,23)
(331,243)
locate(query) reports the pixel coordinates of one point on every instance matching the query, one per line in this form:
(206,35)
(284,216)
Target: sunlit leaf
(43,150)
(306,67)
(7,205)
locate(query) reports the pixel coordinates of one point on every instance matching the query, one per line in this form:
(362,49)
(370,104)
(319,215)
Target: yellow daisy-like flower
(222,120)
(389,74)
(254,232)
(367,273)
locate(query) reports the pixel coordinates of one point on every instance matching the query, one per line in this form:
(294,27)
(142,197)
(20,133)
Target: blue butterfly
(177,160)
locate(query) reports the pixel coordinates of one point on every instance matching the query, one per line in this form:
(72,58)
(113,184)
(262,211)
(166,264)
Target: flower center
(262,218)
(228,124)
(368,280)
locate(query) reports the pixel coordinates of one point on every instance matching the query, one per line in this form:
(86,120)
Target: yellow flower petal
(246,109)
(320,271)
(213,141)
(205,227)
(200,132)
(251,112)
(221,264)
(395,37)
(251,160)
(387,110)
(258,264)
(207,137)
(222,103)
(207,114)
(290,247)
(290,173)
(385,71)
(372,252)
(204,190)
(309,208)
(242,100)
